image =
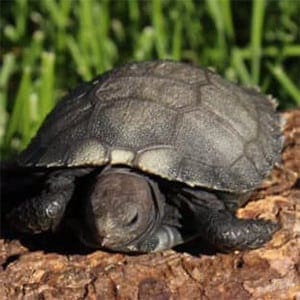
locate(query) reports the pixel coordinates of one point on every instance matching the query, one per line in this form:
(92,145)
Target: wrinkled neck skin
(123,207)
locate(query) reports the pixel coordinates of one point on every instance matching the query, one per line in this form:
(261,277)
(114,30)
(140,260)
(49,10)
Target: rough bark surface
(272,272)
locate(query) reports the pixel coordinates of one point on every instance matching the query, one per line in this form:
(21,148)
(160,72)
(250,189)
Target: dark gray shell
(166,118)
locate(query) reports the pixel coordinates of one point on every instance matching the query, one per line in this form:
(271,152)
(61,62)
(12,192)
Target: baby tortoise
(171,150)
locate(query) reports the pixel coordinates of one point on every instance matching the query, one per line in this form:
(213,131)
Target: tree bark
(271,272)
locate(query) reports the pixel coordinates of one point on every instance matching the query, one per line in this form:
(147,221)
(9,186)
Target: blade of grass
(193,36)
(144,45)
(15,33)
(79,59)
(291,50)
(59,13)
(228,22)
(134,12)
(32,53)
(285,81)
(177,34)
(95,43)
(22,19)
(8,67)
(159,29)
(258,13)
(94,35)
(240,67)
(217,15)
(9,63)
(106,47)
(18,122)
(134,15)
(86,41)
(46,96)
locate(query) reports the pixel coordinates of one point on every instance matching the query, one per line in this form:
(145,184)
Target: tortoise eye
(133,220)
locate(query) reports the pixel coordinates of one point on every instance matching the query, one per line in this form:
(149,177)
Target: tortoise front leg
(45,211)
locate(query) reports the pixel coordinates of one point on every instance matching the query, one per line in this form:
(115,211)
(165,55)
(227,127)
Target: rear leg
(219,226)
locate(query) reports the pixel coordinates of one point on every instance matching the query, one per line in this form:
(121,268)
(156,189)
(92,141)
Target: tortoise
(171,150)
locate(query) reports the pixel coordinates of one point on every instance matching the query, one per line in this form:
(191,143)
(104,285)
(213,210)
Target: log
(31,270)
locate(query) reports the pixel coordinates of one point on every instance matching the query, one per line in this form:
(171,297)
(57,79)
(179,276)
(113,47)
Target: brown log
(271,272)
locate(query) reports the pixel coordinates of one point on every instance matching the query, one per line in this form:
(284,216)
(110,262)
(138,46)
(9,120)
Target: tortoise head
(122,210)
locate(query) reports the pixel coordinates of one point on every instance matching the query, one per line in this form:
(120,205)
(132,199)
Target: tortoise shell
(171,119)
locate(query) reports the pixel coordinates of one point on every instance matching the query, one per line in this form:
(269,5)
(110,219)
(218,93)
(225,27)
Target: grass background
(49,46)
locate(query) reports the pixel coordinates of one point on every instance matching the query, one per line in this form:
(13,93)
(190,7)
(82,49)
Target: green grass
(49,46)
